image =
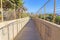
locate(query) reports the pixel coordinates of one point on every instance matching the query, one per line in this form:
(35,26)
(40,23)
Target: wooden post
(54,11)
(2,10)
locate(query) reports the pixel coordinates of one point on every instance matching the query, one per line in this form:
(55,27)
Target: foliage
(10,3)
(18,3)
(23,15)
(57,19)
(49,17)
(6,4)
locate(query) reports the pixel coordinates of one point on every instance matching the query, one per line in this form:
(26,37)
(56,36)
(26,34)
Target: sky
(34,5)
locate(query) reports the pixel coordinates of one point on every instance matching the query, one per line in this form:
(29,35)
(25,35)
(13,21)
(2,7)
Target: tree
(6,4)
(9,4)
(18,3)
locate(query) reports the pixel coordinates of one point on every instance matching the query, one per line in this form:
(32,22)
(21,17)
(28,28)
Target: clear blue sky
(34,5)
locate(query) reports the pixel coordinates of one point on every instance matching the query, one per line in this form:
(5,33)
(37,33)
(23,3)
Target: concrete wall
(47,30)
(9,29)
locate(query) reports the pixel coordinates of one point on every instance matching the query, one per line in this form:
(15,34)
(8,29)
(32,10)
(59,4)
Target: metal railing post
(13,30)
(41,13)
(2,10)
(17,27)
(2,33)
(44,12)
(8,32)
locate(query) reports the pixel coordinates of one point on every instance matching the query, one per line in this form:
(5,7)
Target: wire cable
(43,6)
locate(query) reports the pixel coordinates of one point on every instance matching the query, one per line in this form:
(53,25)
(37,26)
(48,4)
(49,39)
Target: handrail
(14,27)
(11,22)
(47,30)
(56,25)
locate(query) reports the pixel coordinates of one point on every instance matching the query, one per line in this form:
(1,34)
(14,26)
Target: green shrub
(23,15)
(57,19)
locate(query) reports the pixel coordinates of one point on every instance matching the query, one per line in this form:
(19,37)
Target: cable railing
(49,11)
(2,9)
(43,6)
(7,5)
(12,28)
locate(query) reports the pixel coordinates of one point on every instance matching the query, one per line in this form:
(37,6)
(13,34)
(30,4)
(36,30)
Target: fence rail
(47,30)
(10,30)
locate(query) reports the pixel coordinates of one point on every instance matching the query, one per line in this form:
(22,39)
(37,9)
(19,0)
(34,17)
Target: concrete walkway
(29,32)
